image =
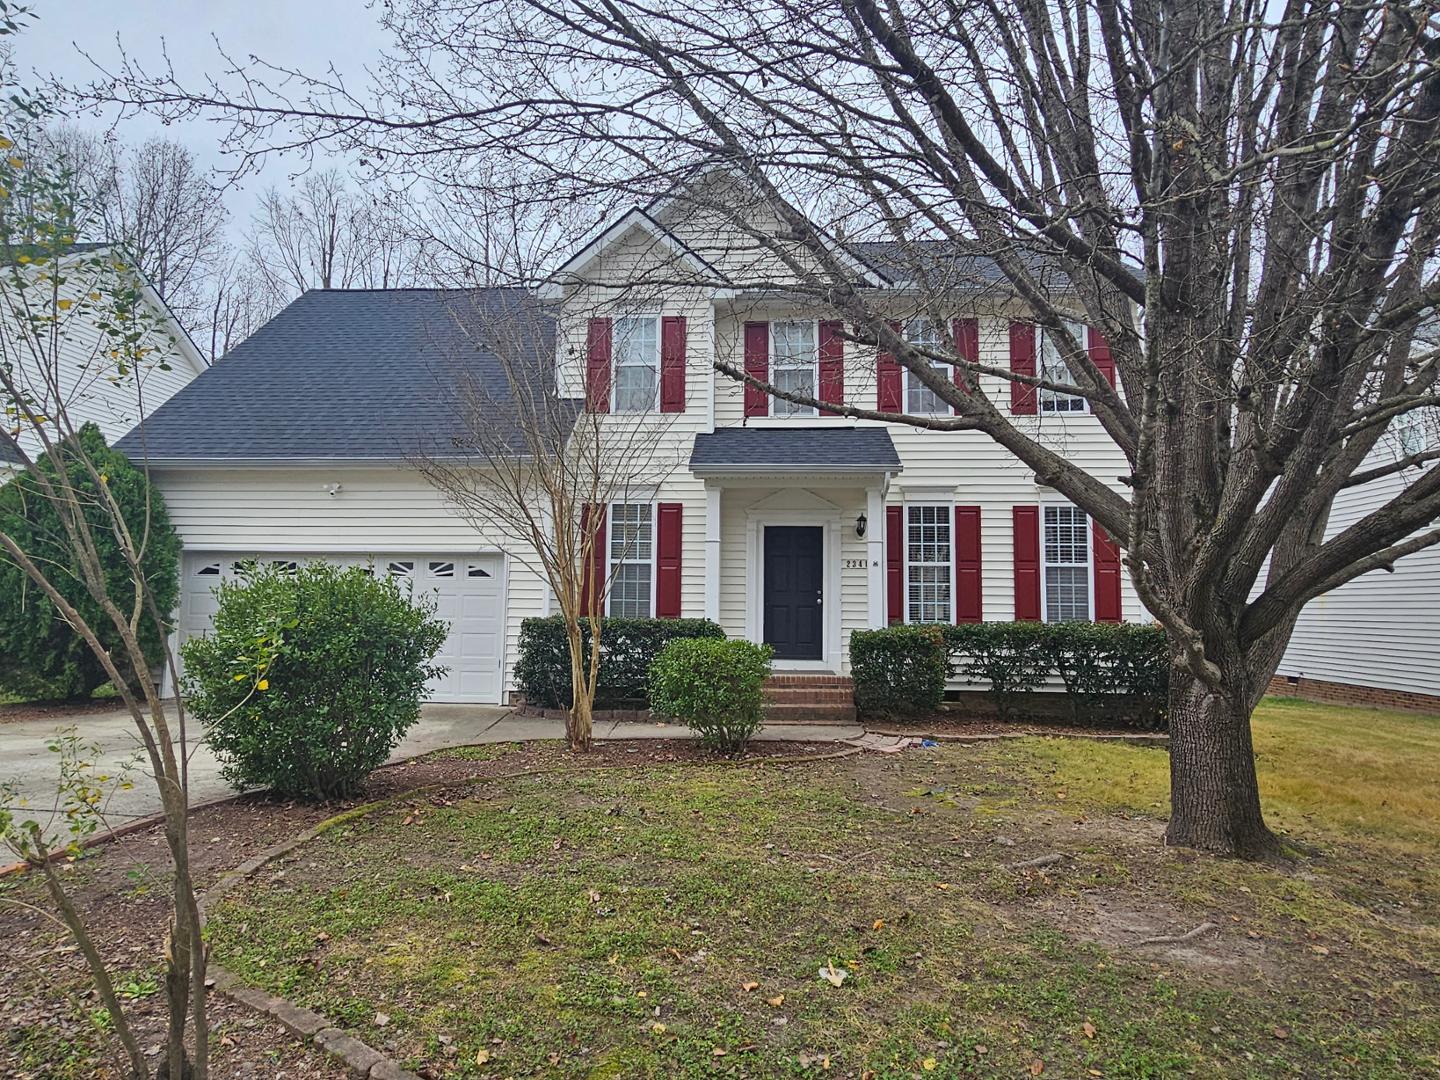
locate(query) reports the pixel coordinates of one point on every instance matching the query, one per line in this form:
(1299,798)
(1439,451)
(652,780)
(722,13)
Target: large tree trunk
(1214,794)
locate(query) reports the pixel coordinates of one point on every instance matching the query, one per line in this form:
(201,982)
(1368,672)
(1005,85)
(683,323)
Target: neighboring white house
(1375,640)
(82,376)
(781,525)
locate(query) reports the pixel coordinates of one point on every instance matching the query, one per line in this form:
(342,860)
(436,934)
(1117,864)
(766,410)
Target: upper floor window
(1066,541)
(1053,369)
(920,400)
(632,560)
(637,363)
(794,365)
(1411,435)
(928,549)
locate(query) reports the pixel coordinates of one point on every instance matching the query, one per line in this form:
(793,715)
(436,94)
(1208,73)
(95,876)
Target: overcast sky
(304,34)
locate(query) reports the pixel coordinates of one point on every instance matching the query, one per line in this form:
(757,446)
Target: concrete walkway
(24,758)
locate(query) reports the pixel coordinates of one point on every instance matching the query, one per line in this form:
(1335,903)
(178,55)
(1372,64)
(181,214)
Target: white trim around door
(831,522)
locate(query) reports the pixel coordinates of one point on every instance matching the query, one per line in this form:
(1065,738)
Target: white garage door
(468,592)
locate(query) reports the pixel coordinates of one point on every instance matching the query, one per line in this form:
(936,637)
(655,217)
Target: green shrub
(40,655)
(311,677)
(715,687)
(1115,674)
(627,649)
(1010,658)
(899,671)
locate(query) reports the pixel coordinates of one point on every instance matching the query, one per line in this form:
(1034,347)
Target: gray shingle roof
(795,449)
(9,452)
(361,375)
(946,264)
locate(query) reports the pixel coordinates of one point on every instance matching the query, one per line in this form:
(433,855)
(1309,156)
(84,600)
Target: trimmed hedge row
(627,649)
(1114,673)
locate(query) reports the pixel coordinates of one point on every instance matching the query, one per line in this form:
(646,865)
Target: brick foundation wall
(1334,693)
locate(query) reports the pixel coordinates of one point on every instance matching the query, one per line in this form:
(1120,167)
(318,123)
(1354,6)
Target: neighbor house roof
(360,375)
(9,452)
(794,450)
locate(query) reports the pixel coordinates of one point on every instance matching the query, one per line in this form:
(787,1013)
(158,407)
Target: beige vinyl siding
(1382,629)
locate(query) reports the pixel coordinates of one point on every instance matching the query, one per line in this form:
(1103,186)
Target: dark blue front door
(794,575)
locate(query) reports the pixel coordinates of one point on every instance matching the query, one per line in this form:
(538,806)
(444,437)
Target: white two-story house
(783,525)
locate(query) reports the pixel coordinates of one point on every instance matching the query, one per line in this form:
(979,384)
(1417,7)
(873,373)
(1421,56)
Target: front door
(794,573)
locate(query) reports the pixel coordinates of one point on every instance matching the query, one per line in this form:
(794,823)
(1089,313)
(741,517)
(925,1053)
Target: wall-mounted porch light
(860,523)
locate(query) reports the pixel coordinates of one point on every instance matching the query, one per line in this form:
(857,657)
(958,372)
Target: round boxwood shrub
(40,655)
(899,671)
(714,687)
(311,677)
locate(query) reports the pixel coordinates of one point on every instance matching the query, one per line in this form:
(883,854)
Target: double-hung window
(794,362)
(1066,540)
(1411,435)
(632,560)
(920,400)
(928,554)
(637,363)
(1054,369)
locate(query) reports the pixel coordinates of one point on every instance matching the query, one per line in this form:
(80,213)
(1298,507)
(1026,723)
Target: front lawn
(673,920)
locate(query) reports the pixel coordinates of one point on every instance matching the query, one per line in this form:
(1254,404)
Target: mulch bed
(949,727)
(122,887)
(56,710)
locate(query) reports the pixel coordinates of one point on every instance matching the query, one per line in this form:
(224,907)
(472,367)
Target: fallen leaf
(658,1029)
(929,1064)
(748,986)
(1281,1033)
(1037,1067)
(1320,950)
(381,1019)
(942,885)
(1089,1030)
(777,1000)
(718,1051)
(879,924)
(981,1048)
(482,1056)
(594,897)
(833,975)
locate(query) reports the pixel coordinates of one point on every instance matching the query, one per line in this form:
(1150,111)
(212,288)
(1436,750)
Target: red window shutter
(967,345)
(832,365)
(1022,362)
(895,563)
(1027,563)
(592,595)
(889,385)
(670,517)
(1107,576)
(757,366)
(597,366)
(672,363)
(1100,355)
(967,564)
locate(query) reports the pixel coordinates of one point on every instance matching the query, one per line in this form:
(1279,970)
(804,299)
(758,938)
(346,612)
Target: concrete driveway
(24,758)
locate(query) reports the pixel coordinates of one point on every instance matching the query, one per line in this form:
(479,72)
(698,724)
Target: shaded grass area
(671,921)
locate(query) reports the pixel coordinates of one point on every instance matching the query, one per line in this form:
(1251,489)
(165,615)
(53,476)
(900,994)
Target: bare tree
(65,307)
(535,471)
(1241,198)
(326,236)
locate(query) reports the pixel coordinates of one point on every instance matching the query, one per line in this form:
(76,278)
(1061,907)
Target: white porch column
(712,552)
(875,555)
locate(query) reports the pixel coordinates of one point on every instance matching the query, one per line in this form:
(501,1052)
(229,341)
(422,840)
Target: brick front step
(810,714)
(818,679)
(802,695)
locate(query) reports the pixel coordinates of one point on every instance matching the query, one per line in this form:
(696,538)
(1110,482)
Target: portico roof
(790,450)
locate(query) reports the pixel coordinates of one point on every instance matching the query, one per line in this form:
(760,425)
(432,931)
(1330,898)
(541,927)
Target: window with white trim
(636,354)
(794,365)
(929,549)
(1411,435)
(632,560)
(920,400)
(1065,539)
(1053,369)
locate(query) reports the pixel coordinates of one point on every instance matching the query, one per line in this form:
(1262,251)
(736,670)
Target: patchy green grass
(612,923)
